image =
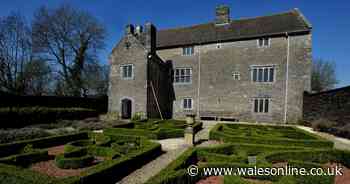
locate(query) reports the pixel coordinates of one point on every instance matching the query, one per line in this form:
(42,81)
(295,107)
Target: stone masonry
(221,48)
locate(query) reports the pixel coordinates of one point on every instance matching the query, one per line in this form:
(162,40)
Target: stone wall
(333,105)
(220,95)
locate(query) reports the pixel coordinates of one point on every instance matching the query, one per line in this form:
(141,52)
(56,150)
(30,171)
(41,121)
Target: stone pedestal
(189,136)
(190,119)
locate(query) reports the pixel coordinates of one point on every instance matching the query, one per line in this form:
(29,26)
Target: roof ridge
(242,19)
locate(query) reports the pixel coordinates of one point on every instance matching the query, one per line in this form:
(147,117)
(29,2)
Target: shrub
(25,159)
(138,116)
(7,136)
(73,162)
(14,175)
(219,133)
(16,147)
(20,117)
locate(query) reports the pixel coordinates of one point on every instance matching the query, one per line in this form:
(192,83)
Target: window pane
(125,71)
(256,105)
(266,105)
(129,71)
(260,75)
(177,79)
(272,72)
(187,79)
(185,104)
(191,50)
(266,40)
(254,75)
(266,74)
(189,103)
(177,72)
(188,71)
(182,72)
(260,42)
(261,105)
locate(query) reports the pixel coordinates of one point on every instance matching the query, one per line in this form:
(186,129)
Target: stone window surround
(183,103)
(188,51)
(274,66)
(190,76)
(264,39)
(122,71)
(263,100)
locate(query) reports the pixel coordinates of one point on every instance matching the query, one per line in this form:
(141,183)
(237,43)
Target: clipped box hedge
(25,159)
(145,130)
(176,171)
(15,147)
(217,133)
(80,161)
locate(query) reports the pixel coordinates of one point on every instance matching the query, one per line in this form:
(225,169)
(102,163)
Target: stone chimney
(129,29)
(138,30)
(222,14)
(150,37)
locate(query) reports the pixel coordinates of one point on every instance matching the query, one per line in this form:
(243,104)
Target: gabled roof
(292,22)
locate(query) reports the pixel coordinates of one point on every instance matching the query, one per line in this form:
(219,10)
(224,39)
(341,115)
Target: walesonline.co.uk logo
(194,170)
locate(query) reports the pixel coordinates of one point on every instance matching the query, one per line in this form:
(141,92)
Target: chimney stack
(222,14)
(150,37)
(138,30)
(129,29)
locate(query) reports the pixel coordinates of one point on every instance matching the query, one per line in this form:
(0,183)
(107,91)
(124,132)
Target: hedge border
(15,147)
(216,134)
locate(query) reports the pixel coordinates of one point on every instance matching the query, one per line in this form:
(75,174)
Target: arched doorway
(126,108)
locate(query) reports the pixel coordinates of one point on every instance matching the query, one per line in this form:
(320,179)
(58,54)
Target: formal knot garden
(116,152)
(246,146)
(87,157)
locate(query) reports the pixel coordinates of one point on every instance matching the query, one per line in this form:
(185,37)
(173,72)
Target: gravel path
(152,168)
(339,143)
(173,148)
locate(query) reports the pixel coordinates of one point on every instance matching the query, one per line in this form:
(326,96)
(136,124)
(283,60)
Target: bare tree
(71,39)
(15,51)
(323,75)
(37,75)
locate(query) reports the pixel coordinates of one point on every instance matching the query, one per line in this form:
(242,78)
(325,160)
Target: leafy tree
(71,39)
(323,75)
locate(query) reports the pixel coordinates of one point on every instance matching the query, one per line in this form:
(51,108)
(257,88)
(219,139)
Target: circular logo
(192,170)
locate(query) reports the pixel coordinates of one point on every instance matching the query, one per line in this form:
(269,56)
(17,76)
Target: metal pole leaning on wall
(155,97)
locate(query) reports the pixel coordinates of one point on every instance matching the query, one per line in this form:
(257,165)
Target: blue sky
(330,19)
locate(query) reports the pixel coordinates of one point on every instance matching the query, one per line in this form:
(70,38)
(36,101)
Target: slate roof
(292,22)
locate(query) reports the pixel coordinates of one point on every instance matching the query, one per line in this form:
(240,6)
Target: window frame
(121,67)
(185,51)
(183,103)
(183,76)
(260,77)
(262,103)
(264,41)
(236,74)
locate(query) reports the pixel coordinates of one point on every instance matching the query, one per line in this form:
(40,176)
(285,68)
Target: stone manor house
(251,69)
